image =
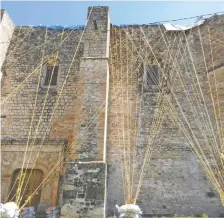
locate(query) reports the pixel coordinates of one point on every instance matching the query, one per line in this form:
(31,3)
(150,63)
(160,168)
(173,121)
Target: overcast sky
(75,13)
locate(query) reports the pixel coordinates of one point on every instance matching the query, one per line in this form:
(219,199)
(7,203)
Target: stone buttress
(83,188)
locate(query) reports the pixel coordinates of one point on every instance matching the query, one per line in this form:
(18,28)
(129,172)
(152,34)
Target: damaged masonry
(100,115)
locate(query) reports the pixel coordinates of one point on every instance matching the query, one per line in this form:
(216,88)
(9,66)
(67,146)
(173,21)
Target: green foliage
(204,215)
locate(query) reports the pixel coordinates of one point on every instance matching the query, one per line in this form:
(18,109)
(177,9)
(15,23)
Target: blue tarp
(132,25)
(56,27)
(81,27)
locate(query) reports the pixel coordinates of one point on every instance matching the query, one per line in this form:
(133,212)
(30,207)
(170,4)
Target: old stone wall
(83,183)
(175,182)
(51,116)
(83,190)
(32,115)
(41,157)
(78,116)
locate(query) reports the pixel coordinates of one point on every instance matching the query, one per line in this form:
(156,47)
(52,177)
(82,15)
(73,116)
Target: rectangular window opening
(95,25)
(49,78)
(152,76)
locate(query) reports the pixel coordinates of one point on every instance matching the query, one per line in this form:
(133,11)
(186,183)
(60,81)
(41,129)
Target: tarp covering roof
(58,27)
(175,27)
(167,25)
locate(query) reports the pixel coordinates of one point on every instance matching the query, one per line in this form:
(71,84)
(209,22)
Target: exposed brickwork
(83,186)
(83,96)
(174,180)
(17,68)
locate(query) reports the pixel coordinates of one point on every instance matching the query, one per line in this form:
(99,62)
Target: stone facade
(13,158)
(174,170)
(83,62)
(83,190)
(87,172)
(77,124)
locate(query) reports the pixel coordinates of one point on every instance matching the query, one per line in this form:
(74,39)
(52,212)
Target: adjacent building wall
(175,182)
(6,28)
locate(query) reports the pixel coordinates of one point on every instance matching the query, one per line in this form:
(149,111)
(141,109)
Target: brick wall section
(24,56)
(174,181)
(89,129)
(83,183)
(25,53)
(83,97)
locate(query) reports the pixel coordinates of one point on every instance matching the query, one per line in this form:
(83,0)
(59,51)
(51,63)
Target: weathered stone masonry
(84,182)
(88,183)
(18,111)
(84,95)
(175,181)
